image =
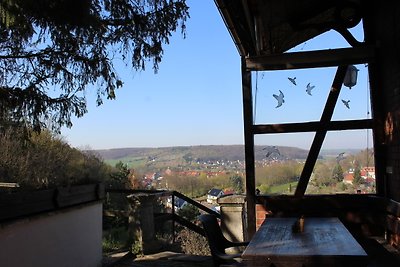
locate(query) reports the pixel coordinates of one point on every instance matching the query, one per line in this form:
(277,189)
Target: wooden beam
(380,148)
(311,59)
(237,26)
(393,207)
(320,134)
(384,83)
(249,151)
(323,205)
(378,108)
(313,126)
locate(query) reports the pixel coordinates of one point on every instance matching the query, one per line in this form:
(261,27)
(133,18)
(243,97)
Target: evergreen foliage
(337,173)
(119,176)
(357,174)
(237,183)
(51,51)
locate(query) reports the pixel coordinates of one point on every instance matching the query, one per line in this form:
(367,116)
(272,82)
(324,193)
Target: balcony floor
(380,255)
(161,259)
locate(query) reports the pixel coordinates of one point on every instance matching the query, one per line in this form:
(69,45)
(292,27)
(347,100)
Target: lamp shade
(350,79)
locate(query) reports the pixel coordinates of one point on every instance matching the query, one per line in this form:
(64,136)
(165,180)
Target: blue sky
(195,98)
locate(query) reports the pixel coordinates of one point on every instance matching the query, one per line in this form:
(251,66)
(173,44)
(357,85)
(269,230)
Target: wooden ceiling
(265,27)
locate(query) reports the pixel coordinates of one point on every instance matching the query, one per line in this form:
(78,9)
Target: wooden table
(324,242)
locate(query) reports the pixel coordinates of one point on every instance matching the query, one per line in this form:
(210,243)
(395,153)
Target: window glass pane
(345,163)
(279,161)
(347,168)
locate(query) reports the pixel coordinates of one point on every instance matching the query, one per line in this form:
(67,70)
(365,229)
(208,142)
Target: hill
(184,154)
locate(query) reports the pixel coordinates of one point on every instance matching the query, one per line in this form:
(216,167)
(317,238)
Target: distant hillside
(329,153)
(205,153)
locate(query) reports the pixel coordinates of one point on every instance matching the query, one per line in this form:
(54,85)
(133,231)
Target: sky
(196,96)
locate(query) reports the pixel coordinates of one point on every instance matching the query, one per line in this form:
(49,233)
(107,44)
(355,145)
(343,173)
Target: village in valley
(208,178)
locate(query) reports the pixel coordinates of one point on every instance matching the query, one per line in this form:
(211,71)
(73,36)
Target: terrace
(64,225)
(263,40)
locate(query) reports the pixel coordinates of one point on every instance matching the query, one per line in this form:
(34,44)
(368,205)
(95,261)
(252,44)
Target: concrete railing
(60,227)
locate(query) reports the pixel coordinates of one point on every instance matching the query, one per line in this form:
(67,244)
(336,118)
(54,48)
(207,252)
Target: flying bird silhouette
(279,98)
(292,80)
(346,103)
(272,152)
(340,157)
(309,88)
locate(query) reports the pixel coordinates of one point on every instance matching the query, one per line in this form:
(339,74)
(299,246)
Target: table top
(323,241)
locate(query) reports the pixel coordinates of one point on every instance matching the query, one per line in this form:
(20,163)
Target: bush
(189,212)
(115,239)
(193,243)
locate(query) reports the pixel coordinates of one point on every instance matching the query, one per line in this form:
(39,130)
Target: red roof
(349,177)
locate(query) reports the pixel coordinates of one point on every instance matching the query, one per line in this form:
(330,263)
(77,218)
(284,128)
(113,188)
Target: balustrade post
(141,224)
(233,217)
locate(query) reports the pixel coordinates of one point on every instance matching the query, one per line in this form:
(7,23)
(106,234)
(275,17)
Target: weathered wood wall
(382,29)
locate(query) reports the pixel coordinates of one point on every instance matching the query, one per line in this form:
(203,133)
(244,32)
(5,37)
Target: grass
(132,162)
(283,188)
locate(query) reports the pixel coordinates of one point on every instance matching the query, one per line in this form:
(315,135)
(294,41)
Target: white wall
(70,238)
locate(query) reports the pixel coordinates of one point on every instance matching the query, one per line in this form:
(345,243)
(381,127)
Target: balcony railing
(169,213)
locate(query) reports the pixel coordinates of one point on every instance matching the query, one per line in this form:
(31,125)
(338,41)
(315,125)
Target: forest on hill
(203,153)
(180,156)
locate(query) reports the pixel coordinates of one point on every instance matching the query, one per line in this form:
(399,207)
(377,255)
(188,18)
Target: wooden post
(173,215)
(373,23)
(249,149)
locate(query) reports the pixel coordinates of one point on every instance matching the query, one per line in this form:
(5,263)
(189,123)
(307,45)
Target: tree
(119,176)
(365,157)
(52,50)
(357,174)
(337,173)
(237,183)
(321,175)
(278,173)
(45,160)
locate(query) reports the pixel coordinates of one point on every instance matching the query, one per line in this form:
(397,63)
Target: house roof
(179,203)
(265,27)
(215,192)
(349,177)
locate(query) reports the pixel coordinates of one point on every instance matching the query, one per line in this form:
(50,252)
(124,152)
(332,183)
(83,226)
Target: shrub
(193,243)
